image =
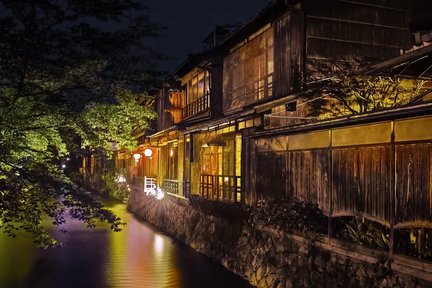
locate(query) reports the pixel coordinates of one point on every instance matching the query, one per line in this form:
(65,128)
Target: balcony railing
(198,106)
(150,185)
(221,187)
(171,186)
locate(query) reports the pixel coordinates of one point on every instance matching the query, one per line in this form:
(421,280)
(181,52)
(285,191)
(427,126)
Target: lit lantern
(137,156)
(148,152)
(171,152)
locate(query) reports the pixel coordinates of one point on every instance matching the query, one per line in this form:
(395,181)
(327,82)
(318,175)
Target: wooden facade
(339,32)
(238,123)
(361,170)
(289,53)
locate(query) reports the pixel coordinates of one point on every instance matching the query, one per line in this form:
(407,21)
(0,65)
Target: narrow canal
(139,256)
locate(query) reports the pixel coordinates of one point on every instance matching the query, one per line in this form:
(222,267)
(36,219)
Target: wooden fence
(380,171)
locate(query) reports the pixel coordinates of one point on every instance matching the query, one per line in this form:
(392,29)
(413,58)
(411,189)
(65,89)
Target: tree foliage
(71,73)
(357,93)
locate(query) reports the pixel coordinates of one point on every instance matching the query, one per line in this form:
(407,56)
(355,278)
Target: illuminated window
(248,71)
(170,153)
(198,86)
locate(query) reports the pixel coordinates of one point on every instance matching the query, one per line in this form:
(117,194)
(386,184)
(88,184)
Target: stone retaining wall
(270,258)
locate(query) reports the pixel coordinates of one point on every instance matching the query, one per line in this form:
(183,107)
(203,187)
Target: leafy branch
(355,94)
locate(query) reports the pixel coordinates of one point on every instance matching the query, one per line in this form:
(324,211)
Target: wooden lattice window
(248,71)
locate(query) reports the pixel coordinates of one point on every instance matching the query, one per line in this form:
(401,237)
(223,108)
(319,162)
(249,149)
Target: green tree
(72,73)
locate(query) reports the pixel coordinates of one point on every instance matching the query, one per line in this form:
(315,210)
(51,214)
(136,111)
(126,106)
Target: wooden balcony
(196,107)
(221,187)
(171,186)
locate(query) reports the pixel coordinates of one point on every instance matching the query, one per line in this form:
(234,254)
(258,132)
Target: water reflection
(139,256)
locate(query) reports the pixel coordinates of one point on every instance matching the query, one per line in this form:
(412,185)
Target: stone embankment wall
(270,258)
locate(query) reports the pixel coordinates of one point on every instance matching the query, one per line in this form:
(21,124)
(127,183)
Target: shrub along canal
(139,256)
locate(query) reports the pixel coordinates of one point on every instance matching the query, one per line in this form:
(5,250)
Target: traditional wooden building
(252,117)
(220,96)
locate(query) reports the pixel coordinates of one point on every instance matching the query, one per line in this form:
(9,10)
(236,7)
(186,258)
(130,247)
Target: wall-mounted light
(148,152)
(137,156)
(171,152)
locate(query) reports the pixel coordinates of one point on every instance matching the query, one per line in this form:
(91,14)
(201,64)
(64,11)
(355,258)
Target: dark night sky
(188,22)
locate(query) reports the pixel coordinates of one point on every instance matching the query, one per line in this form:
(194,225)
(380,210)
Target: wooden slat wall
(363,178)
(361,181)
(271,175)
(413,182)
(350,30)
(308,176)
(375,177)
(345,167)
(288,53)
(392,13)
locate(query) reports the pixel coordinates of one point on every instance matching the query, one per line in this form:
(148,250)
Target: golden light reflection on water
(139,257)
(158,245)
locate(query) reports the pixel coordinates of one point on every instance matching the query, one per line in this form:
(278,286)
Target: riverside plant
(116,189)
(289,215)
(365,232)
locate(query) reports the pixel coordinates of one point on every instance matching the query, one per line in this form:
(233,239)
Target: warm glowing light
(121,179)
(157,193)
(158,244)
(171,152)
(226,179)
(63,166)
(148,152)
(137,156)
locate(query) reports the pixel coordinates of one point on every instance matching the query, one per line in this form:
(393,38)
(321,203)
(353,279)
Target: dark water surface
(139,256)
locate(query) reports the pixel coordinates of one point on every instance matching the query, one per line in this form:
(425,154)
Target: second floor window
(248,70)
(198,86)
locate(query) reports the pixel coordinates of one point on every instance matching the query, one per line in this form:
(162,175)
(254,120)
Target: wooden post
(330,186)
(393,179)
(421,239)
(248,170)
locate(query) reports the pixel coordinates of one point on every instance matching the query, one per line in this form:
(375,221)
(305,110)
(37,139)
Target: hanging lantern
(137,156)
(148,152)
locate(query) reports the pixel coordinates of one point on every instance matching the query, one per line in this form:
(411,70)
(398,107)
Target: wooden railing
(150,185)
(220,187)
(171,186)
(198,106)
